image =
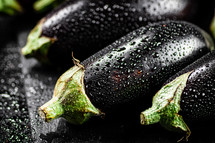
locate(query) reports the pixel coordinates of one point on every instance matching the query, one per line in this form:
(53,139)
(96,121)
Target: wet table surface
(25,85)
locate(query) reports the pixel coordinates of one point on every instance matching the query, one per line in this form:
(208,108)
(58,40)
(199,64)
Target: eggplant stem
(76,62)
(70,100)
(37,45)
(166,105)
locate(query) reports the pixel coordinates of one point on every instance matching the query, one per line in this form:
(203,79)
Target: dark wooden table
(26,84)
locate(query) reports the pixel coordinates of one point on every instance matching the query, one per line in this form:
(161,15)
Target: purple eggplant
(87,26)
(186,98)
(126,72)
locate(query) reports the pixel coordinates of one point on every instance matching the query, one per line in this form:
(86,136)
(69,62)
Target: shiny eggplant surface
(86,26)
(127,72)
(197,98)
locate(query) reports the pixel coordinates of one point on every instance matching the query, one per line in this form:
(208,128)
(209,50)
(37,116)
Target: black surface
(15,122)
(25,85)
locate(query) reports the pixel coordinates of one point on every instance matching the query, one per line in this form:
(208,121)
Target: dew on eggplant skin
(134,57)
(107,64)
(132,43)
(121,49)
(101,8)
(110,56)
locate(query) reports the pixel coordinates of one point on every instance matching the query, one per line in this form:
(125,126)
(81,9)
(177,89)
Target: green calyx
(166,105)
(38,46)
(70,100)
(10,7)
(43,5)
(212,26)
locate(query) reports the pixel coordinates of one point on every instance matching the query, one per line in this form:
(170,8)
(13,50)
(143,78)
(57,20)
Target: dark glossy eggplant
(188,96)
(126,72)
(86,26)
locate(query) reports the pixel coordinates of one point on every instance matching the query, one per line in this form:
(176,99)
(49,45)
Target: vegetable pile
(125,55)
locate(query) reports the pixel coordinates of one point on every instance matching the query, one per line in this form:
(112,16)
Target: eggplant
(126,71)
(87,26)
(187,97)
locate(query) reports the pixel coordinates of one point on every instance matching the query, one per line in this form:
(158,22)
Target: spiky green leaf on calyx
(166,105)
(10,7)
(70,100)
(43,5)
(212,26)
(38,46)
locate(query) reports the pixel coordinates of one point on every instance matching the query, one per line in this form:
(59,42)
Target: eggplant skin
(134,67)
(86,26)
(198,97)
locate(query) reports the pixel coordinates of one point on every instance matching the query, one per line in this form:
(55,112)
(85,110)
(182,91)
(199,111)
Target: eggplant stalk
(166,105)
(70,100)
(38,45)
